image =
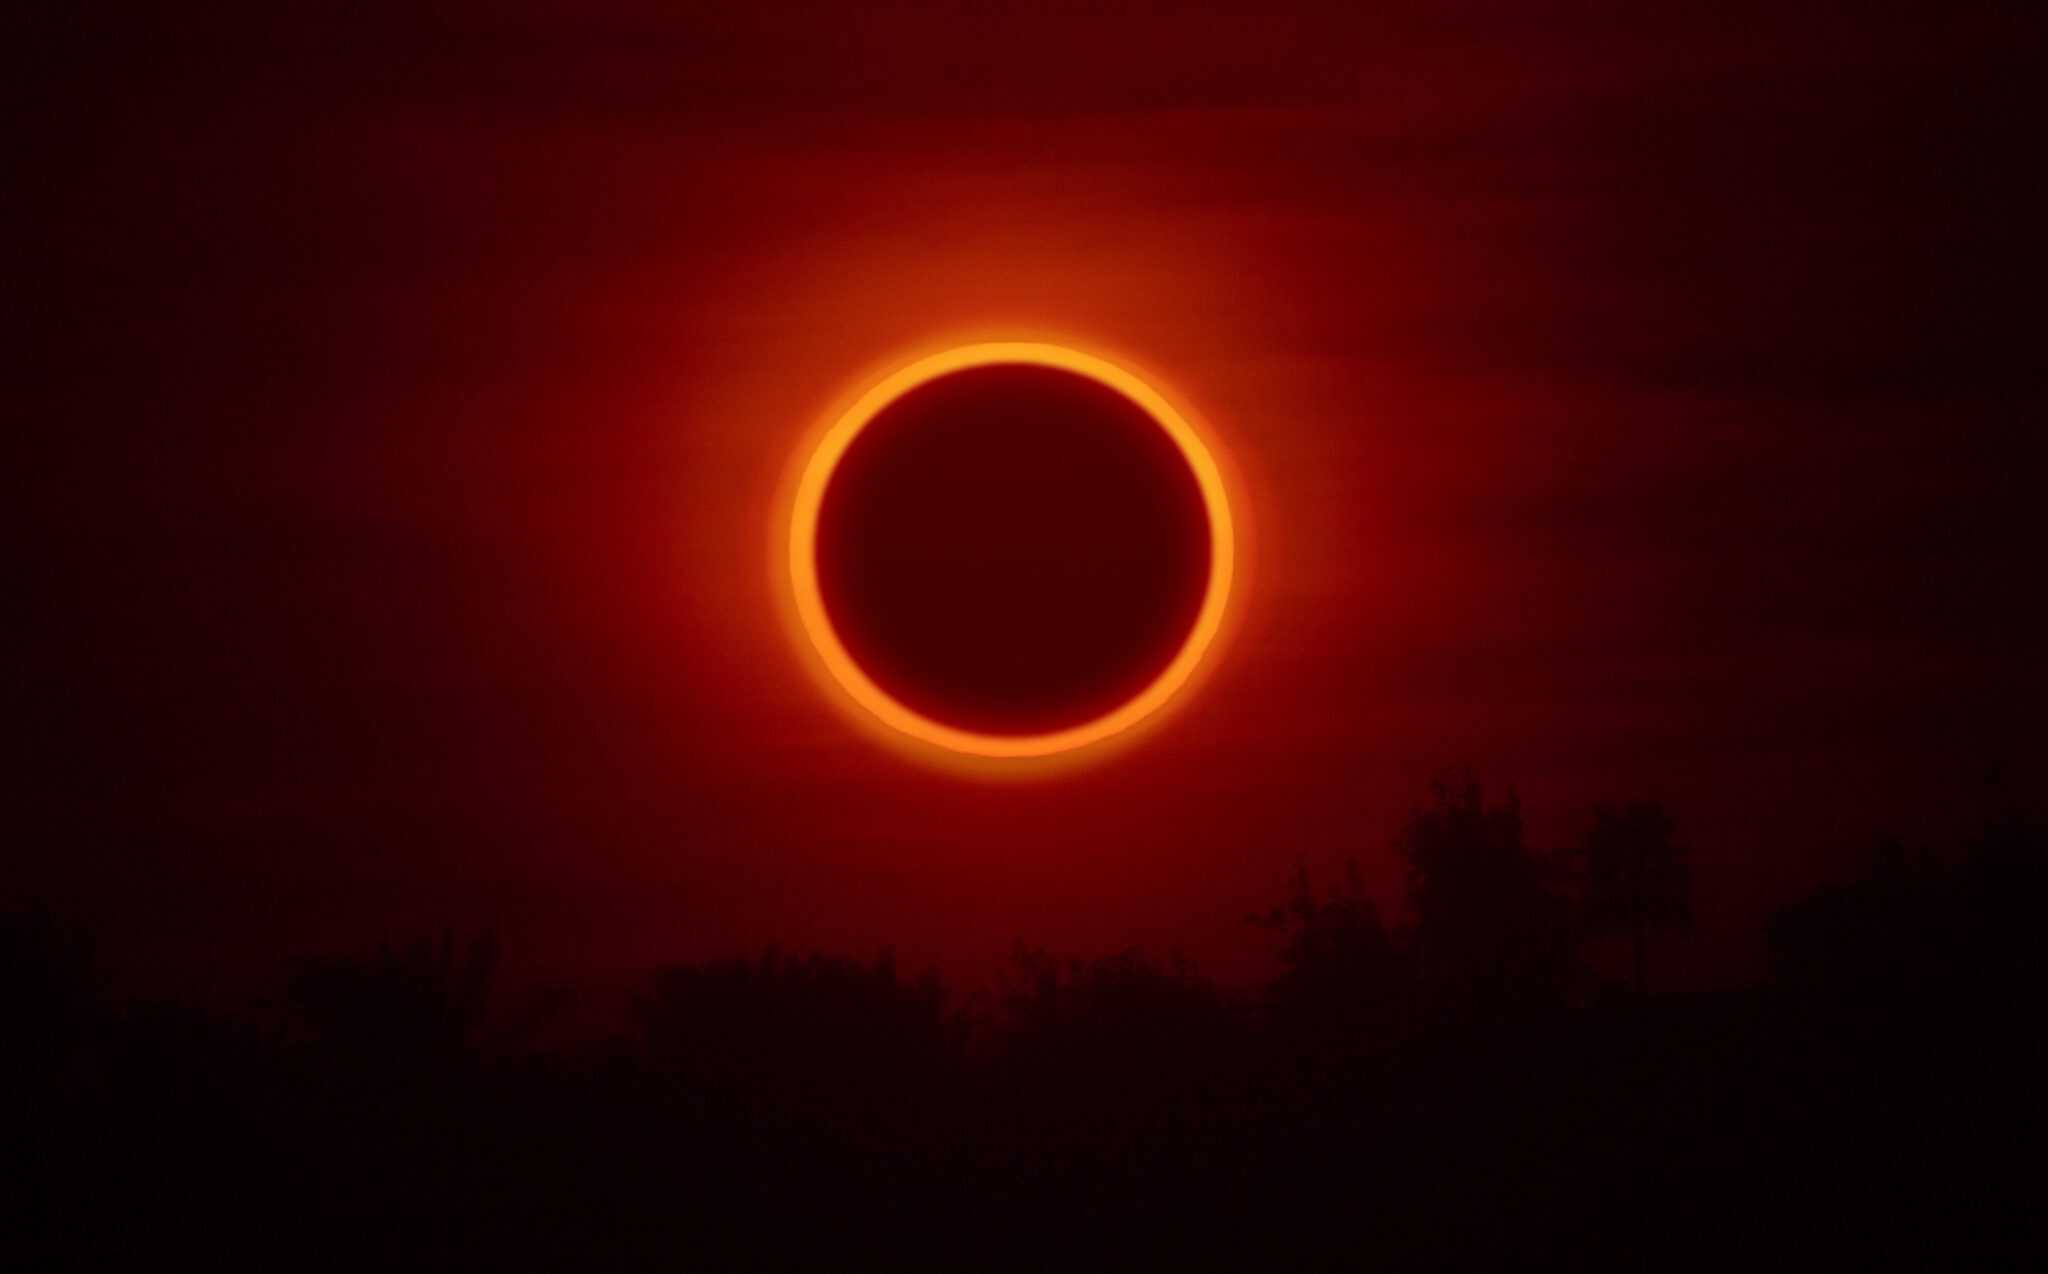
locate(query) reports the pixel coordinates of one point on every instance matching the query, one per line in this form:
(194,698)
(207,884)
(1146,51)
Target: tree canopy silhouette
(1346,981)
(1490,934)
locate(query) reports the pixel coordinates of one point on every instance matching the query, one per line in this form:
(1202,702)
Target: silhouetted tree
(823,1041)
(1129,1001)
(417,1005)
(1911,925)
(1489,932)
(1635,878)
(1106,1059)
(1345,980)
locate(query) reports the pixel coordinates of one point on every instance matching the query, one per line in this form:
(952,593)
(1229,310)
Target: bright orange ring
(810,603)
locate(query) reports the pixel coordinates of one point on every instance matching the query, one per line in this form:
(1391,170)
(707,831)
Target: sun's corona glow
(847,674)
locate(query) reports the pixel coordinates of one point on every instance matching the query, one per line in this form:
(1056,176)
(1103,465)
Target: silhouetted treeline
(1449,1089)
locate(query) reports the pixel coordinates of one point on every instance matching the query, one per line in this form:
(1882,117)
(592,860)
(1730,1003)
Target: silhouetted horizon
(398,1093)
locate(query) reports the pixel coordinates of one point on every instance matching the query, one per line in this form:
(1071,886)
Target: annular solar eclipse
(1010,550)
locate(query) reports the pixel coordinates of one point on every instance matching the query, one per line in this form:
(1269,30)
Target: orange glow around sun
(877,704)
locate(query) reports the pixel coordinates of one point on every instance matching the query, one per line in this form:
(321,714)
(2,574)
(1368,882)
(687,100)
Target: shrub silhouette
(1113,1065)
(819,1042)
(1635,878)
(418,1005)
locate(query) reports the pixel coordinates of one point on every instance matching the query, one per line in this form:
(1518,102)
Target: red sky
(1627,404)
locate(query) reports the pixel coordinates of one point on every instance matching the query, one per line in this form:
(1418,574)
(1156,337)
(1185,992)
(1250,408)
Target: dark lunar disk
(1012,549)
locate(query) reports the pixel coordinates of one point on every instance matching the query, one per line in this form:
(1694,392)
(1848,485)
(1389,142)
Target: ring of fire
(846,672)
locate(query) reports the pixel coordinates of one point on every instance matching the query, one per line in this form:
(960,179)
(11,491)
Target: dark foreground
(1879,1098)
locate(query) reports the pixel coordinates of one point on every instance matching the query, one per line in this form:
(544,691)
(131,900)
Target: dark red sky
(1630,400)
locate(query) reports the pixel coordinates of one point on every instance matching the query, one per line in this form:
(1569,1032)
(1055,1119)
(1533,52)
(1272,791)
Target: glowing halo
(854,681)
